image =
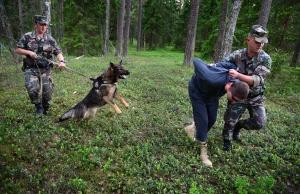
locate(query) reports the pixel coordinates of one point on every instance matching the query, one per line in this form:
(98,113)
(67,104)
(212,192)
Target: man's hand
(61,64)
(33,55)
(233,73)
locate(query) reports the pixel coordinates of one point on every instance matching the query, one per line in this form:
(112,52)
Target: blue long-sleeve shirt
(210,81)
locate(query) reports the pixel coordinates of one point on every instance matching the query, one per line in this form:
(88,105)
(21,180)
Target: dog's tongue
(123,76)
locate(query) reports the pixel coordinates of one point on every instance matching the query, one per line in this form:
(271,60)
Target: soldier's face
(254,47)
(41,28)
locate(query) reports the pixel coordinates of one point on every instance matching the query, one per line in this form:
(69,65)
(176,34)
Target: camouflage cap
(40,19)
(260,33)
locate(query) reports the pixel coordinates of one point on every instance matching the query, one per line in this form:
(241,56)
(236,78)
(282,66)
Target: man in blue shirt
(205,88)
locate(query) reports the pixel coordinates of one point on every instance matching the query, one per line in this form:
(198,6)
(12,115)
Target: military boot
(204,156)
(46,108)
(227,145)
(236,132)
(39,109)
(191,131)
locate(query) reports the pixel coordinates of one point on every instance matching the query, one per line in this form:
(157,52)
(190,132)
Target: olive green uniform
(38,80)
(258,67)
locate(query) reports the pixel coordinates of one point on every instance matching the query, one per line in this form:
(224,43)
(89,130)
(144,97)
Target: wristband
(63,61)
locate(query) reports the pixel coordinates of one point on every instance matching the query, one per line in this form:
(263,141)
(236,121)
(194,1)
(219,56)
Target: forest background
(145,150)
(93,28)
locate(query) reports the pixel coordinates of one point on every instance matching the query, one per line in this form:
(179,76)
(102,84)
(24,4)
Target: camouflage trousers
(234,111)
(39,86)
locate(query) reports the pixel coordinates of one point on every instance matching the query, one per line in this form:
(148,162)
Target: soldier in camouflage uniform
(38,47)
(253,65)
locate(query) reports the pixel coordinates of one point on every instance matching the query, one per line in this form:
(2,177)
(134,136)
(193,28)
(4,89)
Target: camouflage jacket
(258,67)
(45,47)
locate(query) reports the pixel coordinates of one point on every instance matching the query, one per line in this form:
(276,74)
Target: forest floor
(145,149)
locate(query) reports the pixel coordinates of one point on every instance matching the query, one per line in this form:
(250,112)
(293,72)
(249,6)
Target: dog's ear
(112,67)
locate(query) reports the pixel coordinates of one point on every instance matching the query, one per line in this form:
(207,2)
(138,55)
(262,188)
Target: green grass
(144,150)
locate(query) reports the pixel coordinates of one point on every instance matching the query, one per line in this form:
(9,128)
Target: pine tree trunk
(48,14)
(295,55)
(107,21)
(265,12)
(231,27)
(191,34)
(61,21)
(222,28)
(21,17)
(126,28)
(140,18)
(120,28)
(8,33)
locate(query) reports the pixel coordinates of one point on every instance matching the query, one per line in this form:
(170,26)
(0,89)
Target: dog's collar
(107,82)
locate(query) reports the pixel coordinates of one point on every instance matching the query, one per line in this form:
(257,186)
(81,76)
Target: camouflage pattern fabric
(41,19)
(234,111)
(39,94)
(46,47)
(258,67)
(260,33)
(47,43)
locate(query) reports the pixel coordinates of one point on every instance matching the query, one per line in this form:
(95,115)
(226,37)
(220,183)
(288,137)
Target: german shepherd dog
(103,91)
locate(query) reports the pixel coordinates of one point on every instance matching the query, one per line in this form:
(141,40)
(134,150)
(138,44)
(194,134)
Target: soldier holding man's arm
(253,65)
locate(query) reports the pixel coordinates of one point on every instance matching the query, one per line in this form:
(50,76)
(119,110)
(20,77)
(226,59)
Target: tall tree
(48,14)
(126,28)
(61,21)
(179,38)
(170,13)
(191,34)
(140,19)
(82,27)
(120,28)
(20,6)
(231,27)
(5,24)
(159,23)
(107,18)
(153,22)
(265,12)
(295,55)
(57,20)
(222,29)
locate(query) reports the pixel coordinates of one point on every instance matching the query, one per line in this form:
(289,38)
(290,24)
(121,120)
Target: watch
(63,61)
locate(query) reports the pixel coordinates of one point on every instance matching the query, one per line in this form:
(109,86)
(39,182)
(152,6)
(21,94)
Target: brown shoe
(191,131)
(204,156)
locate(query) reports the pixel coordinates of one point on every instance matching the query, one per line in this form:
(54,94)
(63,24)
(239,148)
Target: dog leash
(50,61)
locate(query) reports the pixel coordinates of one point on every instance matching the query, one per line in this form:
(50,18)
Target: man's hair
(240,90)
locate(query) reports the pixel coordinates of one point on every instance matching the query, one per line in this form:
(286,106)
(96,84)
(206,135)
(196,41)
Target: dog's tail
(67,115)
